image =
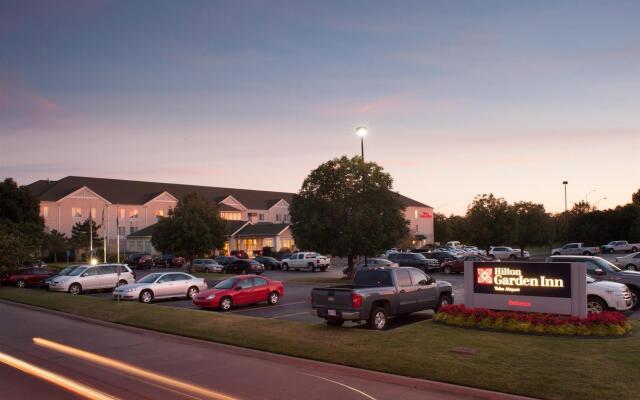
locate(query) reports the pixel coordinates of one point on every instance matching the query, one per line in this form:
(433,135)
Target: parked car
(24,277)
(206,265)
(601,269)
(34,264)
(306,260)
(238,291)
(247,266)
(92,277)
(239,253)
(372,262)
(507,253)
(140,261)
(630,262)
(167,260)
(269,262)
(416,260)
(378,294)
(161,285)
(457,265)
(620,246)
(63,272)
(453,243)
(440,255)
(605,295)
(226,260)
(575,249)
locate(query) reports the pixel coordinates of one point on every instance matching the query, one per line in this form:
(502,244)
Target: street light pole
(565,183)
(362,132)
(598,202)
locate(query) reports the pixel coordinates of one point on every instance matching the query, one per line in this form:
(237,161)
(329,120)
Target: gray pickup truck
(378,293)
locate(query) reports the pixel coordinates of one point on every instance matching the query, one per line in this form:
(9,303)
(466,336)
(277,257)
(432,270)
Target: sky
(460,97)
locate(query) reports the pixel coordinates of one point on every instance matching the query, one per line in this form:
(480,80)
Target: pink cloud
(394,104)
(21,106)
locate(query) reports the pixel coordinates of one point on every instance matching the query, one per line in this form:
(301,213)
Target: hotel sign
(558,288)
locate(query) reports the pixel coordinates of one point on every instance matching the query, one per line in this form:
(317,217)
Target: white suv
(91,277)
(605,295)
(306,260)
(506,253)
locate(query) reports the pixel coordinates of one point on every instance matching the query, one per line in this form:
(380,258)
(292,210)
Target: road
(153,366)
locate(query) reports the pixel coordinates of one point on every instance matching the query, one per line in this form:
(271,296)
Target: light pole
(598,202)
(586,197)
(361,131)
(565,183)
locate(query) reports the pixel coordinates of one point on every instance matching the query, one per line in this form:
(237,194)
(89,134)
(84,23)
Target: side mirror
(599,271)
(237,288)
(84,274)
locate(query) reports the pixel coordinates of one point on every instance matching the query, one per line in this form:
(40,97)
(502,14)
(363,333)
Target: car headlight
(130,290)
(211,297)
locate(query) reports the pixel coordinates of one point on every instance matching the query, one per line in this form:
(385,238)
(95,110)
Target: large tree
(54,243)
(533,226)
(347,208)
(21,227)
(193,229)
(489,221)
(635,197)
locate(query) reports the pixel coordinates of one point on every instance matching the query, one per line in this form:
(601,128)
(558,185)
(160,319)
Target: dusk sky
(460,97)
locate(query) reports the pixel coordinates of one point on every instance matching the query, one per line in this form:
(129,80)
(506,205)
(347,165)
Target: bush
(609,323)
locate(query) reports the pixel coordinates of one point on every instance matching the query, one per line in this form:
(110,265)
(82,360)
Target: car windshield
(77,271)
(226,284)
(149,278)
(606,265)
(67,270)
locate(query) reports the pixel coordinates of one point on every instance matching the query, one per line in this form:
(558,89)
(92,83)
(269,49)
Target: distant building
(256,218)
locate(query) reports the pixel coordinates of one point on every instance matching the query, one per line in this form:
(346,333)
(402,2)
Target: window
(166,278)
(246,283)
(418,277)
(108,269)
(277,217)
(45,212)
(261,217)
(93,213)
(403,278)
(133,213)
(180,277)
(91,271)
(132,229)
(121,230)
(285,217)
(310,256)
(122,213)
(415,214)
(259,281)
(76,212)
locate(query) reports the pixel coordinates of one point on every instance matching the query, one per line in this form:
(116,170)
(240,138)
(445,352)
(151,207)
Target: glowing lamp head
(94,261)
(361,131)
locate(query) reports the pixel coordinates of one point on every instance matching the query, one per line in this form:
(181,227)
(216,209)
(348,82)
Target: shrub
(609,323)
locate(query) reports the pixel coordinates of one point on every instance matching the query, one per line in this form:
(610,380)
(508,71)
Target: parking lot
(295,304)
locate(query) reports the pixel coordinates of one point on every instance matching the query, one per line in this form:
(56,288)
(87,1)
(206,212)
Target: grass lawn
(546,367)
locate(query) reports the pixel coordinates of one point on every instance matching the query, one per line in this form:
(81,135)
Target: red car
(457,265)
(239,291)
(26,277)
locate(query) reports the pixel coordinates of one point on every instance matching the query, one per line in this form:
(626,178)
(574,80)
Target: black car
(269,262)
(441,256)
(371,262)
(226,260)
(416,260)
(245,267)
(140,261)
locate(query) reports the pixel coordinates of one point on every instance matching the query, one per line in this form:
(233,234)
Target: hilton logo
(485,276)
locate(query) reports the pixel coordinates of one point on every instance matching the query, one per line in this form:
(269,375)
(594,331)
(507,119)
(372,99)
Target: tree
(21,227)
(84,236)
(533,226)
(193,229)
(347,208)
(489,221)
(54,242)
(635,198)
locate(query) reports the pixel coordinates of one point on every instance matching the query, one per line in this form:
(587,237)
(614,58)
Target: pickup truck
(620,245)
(306,260)
(573,249)
(378,293)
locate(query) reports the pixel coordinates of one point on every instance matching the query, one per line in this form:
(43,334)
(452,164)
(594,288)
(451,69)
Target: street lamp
(598,202)
(362,131)
(565,183)
(586,197)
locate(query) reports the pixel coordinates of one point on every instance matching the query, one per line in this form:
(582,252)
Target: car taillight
(356,300)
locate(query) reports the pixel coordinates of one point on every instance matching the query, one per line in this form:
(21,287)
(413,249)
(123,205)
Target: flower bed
(608,323)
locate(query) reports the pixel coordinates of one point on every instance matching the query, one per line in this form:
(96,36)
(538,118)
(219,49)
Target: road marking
(289,315)
(342,384)
(122,366)
(267,307)
(59,380)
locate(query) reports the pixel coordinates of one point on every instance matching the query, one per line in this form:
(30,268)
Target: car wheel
(192,292)
(21,284)
(379,319)
(447,270)
(556,253)
(245,271)
(335,322)
(611,251)
(596,305)
(631,267)
(322,269)
(586,253)
(445,300)
(512,257)
(285,267)
(634,249)
(274,297)
(146,296)
(75,288)
(226,303)
(312,267)
(122,282)
(491,256)
(207,270)
(635,295)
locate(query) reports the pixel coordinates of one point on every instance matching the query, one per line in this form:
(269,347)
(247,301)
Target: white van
(92,277)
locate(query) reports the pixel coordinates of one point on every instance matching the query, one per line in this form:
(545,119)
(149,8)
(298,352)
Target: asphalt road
(141,365)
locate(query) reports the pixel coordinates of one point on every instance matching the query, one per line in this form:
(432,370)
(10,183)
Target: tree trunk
(350,270)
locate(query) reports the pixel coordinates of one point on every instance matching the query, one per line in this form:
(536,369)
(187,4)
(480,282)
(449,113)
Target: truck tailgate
(332,297)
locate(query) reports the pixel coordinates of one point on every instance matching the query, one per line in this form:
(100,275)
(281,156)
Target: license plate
(331,312)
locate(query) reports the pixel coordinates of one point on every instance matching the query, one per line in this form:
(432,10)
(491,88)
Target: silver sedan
(161,286)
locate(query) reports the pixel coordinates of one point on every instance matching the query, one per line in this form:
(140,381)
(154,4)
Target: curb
(336,369)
